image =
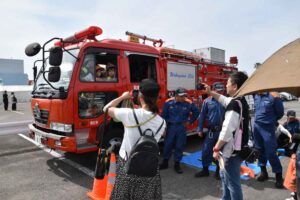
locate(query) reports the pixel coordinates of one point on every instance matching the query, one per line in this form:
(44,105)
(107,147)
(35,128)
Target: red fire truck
(80,74)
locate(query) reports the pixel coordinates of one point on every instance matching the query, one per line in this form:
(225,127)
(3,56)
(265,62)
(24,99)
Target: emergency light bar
(143,37)
(233,60)
(89,33)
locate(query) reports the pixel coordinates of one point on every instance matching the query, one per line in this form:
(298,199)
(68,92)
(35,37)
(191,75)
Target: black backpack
(144,156)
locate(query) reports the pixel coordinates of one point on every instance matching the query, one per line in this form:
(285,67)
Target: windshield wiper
(42,84)
(50,94)
(37,87)
(44,87)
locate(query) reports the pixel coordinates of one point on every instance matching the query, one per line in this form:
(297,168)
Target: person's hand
(200,134)
(291,140)
(126,95)
(216,155)
(207,88)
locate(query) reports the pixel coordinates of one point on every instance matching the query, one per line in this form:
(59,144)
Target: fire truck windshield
(66,68)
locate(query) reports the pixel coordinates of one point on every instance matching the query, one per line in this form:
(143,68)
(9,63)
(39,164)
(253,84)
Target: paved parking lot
(29,172)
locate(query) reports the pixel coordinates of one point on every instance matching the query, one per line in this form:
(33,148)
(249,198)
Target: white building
(12,72)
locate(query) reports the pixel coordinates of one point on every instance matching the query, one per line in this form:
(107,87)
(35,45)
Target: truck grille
(41,116)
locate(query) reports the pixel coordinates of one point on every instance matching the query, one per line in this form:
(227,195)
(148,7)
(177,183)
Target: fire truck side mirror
(54,74)
(55,57)
(32,49)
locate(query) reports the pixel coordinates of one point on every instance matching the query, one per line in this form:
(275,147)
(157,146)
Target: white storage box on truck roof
(212,53)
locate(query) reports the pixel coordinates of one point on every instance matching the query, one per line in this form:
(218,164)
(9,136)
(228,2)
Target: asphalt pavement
(27,172)
(34,173)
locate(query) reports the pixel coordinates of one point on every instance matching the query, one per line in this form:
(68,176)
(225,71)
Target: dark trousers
(14,106)
(5,106)
(265,142)
(210,140)
(175,139)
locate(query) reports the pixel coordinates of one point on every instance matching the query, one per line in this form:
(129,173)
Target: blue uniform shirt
(292,126)
(213,111)
(268,109)
(179,112)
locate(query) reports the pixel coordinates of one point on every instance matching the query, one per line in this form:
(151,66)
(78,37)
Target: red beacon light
(90,33)
(233,60)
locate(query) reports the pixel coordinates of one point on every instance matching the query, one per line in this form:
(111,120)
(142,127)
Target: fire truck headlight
(68,128)
(61,127)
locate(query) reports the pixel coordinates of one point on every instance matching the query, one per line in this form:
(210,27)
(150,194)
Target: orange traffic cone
(101,178)
(290,177)
(99,189)
(247,171)
(111,176)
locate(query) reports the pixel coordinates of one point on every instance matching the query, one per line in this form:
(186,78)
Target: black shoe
(177,168)
(279,184)
(263,174)
(262,177)
(164,165)
(203,173)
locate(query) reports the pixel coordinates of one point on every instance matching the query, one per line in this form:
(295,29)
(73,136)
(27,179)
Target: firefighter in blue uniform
(213,112)
(268,109)
(178,113)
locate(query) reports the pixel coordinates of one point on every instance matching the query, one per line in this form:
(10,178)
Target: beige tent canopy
(280,72)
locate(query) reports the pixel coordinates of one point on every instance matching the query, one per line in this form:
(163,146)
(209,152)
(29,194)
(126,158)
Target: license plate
(38,139)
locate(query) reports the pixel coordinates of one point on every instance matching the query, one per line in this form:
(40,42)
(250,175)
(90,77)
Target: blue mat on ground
(194,160)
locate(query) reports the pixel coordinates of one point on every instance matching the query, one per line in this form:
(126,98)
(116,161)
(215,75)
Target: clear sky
(251,30)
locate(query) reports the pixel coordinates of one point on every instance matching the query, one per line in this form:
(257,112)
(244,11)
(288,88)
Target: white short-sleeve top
(132,134)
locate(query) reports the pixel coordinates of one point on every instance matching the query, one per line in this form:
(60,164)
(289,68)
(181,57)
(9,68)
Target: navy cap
(149,88)
(180,91)
(291,113)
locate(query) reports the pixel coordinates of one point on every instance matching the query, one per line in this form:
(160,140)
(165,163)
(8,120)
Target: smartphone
(134,96)
(200,86)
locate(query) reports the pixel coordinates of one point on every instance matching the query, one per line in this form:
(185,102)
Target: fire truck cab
(80,75)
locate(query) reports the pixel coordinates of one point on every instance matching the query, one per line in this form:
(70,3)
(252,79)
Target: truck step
(86,146)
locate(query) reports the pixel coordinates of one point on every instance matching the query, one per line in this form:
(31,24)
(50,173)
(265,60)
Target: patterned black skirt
(131,187)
